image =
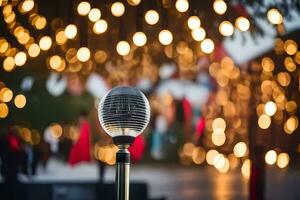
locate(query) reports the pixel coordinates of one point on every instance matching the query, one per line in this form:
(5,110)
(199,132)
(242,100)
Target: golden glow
(71,31)
(242,23)
(100,56)
(271,157)
(27,5)
(246,168)
(226,28)
(9,64)
(165,37)
(240,149)
(198,155)
(291,106)
(283,79)
(221,163)
(291,47)
(45,43)
(194,22)
(289,64)
(56,130)
(94,14)
(6,95)
(274,16)
(139,39)
(283,160)
(20,101)
(134,2)
(218,139)
(123,48)
(270,108)
(100,26)
(207,46)
(55,62)
(83,54)
(188,149)
(210,156)
(198,34)
(61,38)
(264,121)
(267,64)
(291,125)
(4,45)
(3,110)
(219,123)
(40,23)
(34,50)
(151,17)
(83,8)
(117,9)
(20,58)
(220,7)
(182,5)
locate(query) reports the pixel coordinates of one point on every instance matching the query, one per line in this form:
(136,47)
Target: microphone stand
(122,172)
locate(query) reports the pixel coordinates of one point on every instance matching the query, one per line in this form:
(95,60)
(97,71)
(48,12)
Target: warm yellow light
(291,106)
(151,17)
(246,168)
(83,54)
(207,46)
(283,160)
(198,34)
(55,61)
(240,149)
(139,39)
(291,47)
(290,64)
(45,43)
(226,28)
(123,48)
(6,95)
(20,101)
(9,64)
(274,16)
(219,123)
(283,78)
(94,15)
(117,9)
(270,108)
(242,23)
(210,156)
(271,157)
(100,26)
(165,37)
(134,2)
(83,8)
(61,38)
(291,124)
(28,5)
(71,31)
(194,22)
(220,7)
(40,23)
(3,110)
(34,50)
(56,130)
(218,139)
(264,121)
(267,64)
(188,149)
(221,163)
(20,58)
(198,155)
(182,5)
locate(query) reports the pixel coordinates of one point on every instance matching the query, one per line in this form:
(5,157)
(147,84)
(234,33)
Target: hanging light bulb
(198,34)
(194,22)
(165,37)
(226,28)
(242,23)
(84,8)
(45,43)
(123,48)
(83,54)
(139,39)
(20,58)
(100,26)
(71,31)
(94,15)
(151,17)
(207,46)
(220,7)
(274,16)
(117,9)
(182,5)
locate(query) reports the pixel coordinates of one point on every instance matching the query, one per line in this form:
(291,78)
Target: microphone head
(124,113)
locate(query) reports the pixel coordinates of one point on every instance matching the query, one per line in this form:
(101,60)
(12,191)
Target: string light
(6,95)
(220,7)
(83,54)
(20,101)
(210,156)
(55,61)
(194,22)
(139,39)
(264,121)
(270,108)
(3,110)
(83,8)
(271,157)
(20,58)
(9,64)
(151,17)
(45,43)
(100,26)
(27,5)
(94,15)
(218,139)
(283,160)
(274,16)
(117,9)
(226,28)
(242,23)
(123,48)
(291,47)
(60,37)
(182,5)
(207,46)
(198,34)
(165,37)
(71,31)
(240,149)
(34,50)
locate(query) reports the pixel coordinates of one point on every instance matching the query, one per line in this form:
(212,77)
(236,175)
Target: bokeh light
(3,110)
(139,39)
(165,37)
(100,26)
(194,22)
(123,48)
(198,34)
(83,8)
(182,5)
(220,7)
(94,14)
(242,23)
(270,108)
(240,149)
(283,160)
(264,121)
(151,17)
(226,28)
(20,58)
(274,16)
(117,9)
(45,43)
(83,54)
(271,157)
(20,101)
(71,31)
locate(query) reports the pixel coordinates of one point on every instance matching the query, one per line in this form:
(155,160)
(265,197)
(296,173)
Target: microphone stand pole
(122,173)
